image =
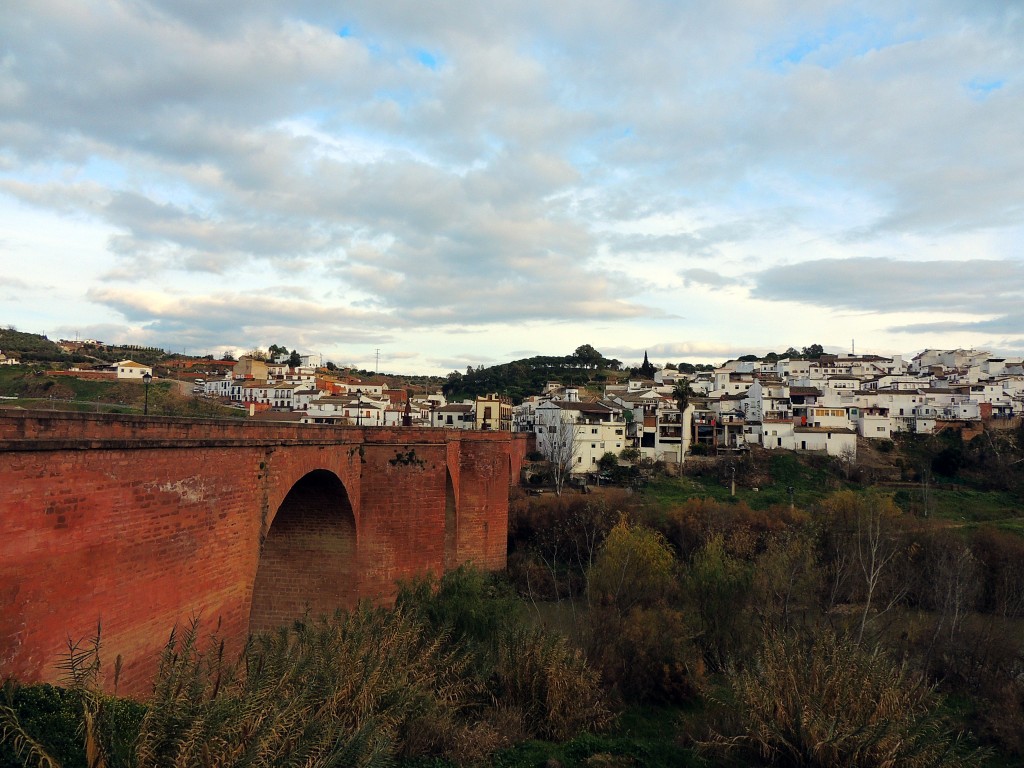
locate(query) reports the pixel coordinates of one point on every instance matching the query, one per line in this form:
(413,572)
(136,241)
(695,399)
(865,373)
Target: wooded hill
(522,378)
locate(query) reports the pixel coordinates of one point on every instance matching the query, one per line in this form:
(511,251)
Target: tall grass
(826,701)
(444,675)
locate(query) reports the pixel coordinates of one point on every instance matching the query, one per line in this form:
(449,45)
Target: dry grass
(824,701)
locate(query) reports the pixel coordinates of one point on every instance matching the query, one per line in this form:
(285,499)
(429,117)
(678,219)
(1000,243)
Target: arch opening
(308,559)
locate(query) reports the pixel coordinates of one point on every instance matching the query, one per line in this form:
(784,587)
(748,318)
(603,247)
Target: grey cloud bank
(459,183)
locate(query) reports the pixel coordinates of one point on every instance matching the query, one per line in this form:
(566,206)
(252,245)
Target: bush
(825,701)
(647,655)
(45,714)
(549,685)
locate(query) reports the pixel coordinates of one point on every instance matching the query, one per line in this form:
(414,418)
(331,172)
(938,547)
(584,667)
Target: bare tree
(876,546)
(561,447)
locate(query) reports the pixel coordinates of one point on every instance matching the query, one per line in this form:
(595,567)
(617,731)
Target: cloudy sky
(462,183)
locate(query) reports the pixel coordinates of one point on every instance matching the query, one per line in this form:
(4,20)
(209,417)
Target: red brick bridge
(141,523)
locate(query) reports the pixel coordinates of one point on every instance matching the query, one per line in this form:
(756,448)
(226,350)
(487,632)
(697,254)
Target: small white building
(129,369)
(834,442)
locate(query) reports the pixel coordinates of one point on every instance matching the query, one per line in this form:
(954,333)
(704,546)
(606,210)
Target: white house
(454,416)
(129,369)
(835,442)
(597,429)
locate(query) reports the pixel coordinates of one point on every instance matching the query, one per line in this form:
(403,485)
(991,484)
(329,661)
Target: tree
(560,447)
(790,353)
(607,462)
(634,567)
(866,552)
(646,370)
(295,359)
(813,352)
(681,394)
(587,356)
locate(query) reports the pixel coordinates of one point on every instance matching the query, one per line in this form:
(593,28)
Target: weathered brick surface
(142,523)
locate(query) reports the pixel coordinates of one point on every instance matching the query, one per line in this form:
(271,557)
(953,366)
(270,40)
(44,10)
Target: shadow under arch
(308,559)
(451,524)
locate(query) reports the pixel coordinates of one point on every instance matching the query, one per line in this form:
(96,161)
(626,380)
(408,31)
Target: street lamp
(359,407)
(146,378)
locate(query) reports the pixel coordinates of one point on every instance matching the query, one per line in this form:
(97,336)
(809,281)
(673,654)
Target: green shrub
(45,714)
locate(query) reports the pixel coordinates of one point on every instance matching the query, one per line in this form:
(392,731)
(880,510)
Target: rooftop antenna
(376,368)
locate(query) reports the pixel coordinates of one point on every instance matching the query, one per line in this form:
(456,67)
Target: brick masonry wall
(143,523)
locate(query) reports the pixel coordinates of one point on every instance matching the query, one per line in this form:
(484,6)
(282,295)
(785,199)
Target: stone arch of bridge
(308,559)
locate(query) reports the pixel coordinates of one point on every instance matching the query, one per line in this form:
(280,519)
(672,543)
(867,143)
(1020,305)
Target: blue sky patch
(982,87)
(427,59)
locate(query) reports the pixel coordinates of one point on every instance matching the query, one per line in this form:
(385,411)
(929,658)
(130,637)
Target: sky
(455,184)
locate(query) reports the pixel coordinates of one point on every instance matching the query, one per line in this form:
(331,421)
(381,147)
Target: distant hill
(28,346)
(522,378)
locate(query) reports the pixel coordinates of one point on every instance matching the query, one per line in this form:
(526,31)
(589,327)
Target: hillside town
(795,404)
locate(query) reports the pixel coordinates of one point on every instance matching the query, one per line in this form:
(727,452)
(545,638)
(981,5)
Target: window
(593,431)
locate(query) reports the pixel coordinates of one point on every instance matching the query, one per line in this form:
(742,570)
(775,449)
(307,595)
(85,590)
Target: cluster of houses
(309,395)
(793,404)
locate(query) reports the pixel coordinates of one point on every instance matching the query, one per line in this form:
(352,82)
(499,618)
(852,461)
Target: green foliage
(39,726)
(629,454)
(719,585)
(28,346)
(822,701)
(470,607)
(634,567)
(528,376)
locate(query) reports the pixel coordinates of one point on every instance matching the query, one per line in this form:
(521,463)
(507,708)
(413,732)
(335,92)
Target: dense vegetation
(522,378)
(28,346)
